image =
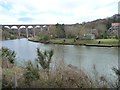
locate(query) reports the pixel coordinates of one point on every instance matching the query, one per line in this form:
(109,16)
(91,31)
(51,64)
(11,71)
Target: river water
(104,58)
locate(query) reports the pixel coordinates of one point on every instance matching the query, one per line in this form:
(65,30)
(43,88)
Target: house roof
(115,24)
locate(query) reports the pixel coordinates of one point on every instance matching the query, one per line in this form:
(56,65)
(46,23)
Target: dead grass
(60,76)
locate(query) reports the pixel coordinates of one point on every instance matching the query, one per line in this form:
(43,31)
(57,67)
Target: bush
(44,58)
(43,37)
(8,56)
(117,72)
(31,73)
(116,37)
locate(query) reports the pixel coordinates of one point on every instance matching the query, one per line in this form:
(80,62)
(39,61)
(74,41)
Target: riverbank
(94,43)
(73,77)
(33,76)
(3,39)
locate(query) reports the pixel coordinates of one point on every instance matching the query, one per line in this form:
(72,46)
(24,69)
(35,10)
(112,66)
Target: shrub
(44,37)
(44,58)
(117,72)
(116,37)
(31,73)
(8,56)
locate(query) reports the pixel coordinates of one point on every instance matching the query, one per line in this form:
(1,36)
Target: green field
(71,41)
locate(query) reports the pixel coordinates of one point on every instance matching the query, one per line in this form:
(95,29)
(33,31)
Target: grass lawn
(62,40)
(71,41)
(108,41)
(102,41)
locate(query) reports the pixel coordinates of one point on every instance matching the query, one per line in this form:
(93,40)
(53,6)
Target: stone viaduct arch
(42,27)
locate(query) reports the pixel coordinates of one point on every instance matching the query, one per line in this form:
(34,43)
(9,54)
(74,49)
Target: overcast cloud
(55,11)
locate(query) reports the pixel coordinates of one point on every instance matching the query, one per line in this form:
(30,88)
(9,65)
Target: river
(104,58)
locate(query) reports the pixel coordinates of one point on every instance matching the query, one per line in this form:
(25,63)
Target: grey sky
(55,11)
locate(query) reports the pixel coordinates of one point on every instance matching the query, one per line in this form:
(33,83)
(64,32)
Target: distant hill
(116,16)
(106,21)
(101,25)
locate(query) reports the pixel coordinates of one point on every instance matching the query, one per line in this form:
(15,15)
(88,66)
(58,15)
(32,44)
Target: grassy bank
(104,42)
